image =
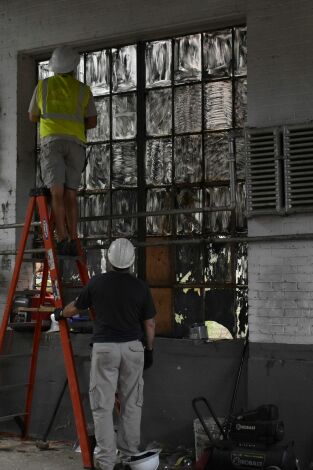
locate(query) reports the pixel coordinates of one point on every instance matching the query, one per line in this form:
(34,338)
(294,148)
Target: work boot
(63,248)
(72,248)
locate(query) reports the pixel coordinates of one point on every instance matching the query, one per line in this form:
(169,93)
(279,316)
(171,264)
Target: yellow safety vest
(62,101)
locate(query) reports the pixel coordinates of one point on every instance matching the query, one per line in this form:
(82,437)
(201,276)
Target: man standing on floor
(65,109)
(124,310)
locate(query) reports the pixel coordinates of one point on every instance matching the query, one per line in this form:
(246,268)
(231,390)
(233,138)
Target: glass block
(102,131)
(241,102)
(97,205)
(158,160)
(218,105)
(240,157)
(80,72)
(124,115)
(188,159)
(187,58)
(240,51)
(98,167)
(241,309)
(218,263)
(124,68)
(124,164)
(189,223)
(159,112)
(216,154)
(189,264)
(241,207)
(242,264)
(158,200)
(219,221)
(188,310)
(124,202)
(217,54)
(98,72)
(188,109)
(96,261)
(43,70)
(219,307)
(158,63)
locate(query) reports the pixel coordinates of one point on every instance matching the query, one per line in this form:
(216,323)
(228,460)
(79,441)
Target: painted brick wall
(279,91)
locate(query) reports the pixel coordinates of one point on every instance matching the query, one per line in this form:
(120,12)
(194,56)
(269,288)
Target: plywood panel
(162,298)
(159,268)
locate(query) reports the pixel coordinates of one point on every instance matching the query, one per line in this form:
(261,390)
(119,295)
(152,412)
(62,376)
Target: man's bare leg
(58,208)
(71,211)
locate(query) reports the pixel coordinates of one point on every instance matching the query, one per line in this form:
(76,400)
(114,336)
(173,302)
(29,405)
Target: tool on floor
(43,444)
(38,199)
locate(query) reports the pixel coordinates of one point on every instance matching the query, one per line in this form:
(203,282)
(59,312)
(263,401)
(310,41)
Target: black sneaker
(63,248)
(72,248)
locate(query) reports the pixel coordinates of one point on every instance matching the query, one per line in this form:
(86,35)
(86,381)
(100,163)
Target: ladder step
(13,416)
(14,356)
(6,388)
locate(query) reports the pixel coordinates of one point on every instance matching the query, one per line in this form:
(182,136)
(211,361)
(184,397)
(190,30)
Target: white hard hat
(121,253)
(147,460)
(63,60)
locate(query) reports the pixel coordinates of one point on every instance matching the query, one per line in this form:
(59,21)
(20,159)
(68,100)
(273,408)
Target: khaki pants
(116,367)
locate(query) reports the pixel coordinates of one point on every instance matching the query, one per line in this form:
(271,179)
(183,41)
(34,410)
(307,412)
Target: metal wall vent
(298,151)
(264,171)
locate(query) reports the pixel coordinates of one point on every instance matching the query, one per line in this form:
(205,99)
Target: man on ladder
(65,109)
(123,307)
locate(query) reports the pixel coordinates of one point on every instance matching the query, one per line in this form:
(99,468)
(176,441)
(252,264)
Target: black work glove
(58,314)
(148,358)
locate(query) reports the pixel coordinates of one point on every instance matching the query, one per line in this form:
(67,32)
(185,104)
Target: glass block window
(166,166)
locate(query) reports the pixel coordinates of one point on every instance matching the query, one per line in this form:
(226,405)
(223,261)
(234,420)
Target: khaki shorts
(62,163)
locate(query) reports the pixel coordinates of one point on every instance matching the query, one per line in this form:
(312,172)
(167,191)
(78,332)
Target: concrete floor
(24,455)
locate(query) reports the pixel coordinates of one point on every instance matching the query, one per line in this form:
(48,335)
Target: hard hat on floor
(121,253)
(147,460)
(63,60)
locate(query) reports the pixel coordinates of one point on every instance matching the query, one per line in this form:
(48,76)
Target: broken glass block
(241,310)
(189,264)
(189,223)
(241,102)
(217,54)
(124,116)
(124,202)
(159,112)
(220,308)
(188,309)
(188,107)
(158,63)
(216,152)
(187,58)
(158,160)
(218,105)
(188,159)
(242,264)
(96,259)
(98,72)
(124,68)
(218,221)
(157,200)
(240,51)
(124,164)
(102,131)
(217,263)
(98,167)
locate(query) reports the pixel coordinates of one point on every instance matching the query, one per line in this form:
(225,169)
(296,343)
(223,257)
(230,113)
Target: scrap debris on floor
(17,454)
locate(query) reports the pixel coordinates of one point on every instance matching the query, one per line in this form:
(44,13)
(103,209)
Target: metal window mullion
(173,185)
(141,139)
(110,229)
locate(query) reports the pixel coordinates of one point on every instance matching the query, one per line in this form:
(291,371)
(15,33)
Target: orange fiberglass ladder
(38,198)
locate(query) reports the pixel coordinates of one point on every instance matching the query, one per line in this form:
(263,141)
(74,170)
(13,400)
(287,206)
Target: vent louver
(264,171)
(298,150)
